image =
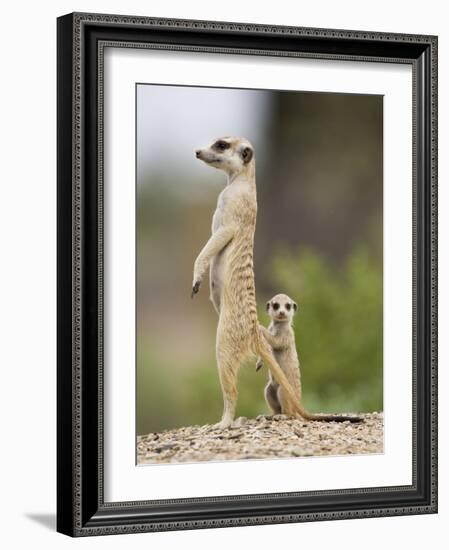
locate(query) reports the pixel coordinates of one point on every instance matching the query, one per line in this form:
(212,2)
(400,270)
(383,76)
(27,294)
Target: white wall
(27,223)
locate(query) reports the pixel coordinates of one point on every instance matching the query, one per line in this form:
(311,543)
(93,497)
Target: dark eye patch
(288,307)
(275,306)
(221,145)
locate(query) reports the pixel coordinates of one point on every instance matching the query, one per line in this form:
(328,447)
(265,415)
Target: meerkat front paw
(259,364)
(195,288)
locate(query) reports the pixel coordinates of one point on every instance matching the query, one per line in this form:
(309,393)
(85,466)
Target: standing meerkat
(229,255)
(281,308)
(281,338)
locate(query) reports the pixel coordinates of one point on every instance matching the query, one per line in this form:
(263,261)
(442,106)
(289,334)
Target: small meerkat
(281,337)
(229,256)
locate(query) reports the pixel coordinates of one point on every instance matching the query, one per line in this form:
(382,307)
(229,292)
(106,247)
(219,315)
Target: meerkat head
(230,154)
(281,308)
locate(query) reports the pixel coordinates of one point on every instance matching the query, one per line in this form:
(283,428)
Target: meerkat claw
(195,289)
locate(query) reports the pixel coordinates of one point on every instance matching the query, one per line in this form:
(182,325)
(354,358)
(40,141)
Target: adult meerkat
(229,255)
(281,309)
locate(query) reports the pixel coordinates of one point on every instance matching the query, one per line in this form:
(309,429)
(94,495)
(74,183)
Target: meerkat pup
(281,337)
(229,256)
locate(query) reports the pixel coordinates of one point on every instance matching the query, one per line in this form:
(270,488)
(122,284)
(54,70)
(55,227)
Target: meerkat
(281,337)
(229,256)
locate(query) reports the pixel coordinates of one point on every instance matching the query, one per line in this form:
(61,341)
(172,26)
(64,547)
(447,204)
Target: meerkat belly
(236,290)
(216,278)
(216,274)
(282,361)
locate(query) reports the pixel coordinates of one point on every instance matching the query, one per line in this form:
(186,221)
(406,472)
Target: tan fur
(229,254)
(281,337)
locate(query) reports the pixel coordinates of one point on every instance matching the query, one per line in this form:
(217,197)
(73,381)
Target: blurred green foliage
(191,395)
(338,328)
(338,331)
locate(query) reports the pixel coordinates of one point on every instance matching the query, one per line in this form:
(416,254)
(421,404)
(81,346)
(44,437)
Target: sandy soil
(263,437)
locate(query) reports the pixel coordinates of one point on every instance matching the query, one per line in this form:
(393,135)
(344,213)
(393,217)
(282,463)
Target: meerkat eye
(221,145)
(275,306)
(288,307)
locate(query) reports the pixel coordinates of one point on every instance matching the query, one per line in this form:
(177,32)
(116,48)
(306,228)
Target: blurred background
(318,239)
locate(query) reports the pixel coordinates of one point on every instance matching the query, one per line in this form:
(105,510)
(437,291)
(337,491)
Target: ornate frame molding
(81,41)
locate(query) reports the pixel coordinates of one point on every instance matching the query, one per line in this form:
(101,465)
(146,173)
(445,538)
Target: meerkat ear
(295,306)
(267,305)
(247,154)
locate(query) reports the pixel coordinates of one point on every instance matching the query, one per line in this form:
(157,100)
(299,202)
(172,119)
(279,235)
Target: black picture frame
(81,509)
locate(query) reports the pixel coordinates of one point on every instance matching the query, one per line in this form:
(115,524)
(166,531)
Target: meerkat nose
(198,153)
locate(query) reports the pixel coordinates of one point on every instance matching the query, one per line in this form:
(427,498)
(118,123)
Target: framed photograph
(247,274)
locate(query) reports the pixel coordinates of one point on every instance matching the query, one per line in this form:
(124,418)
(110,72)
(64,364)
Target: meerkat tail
(282,380)
(336,418)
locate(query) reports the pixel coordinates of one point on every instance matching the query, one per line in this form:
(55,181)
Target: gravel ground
(263,437)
